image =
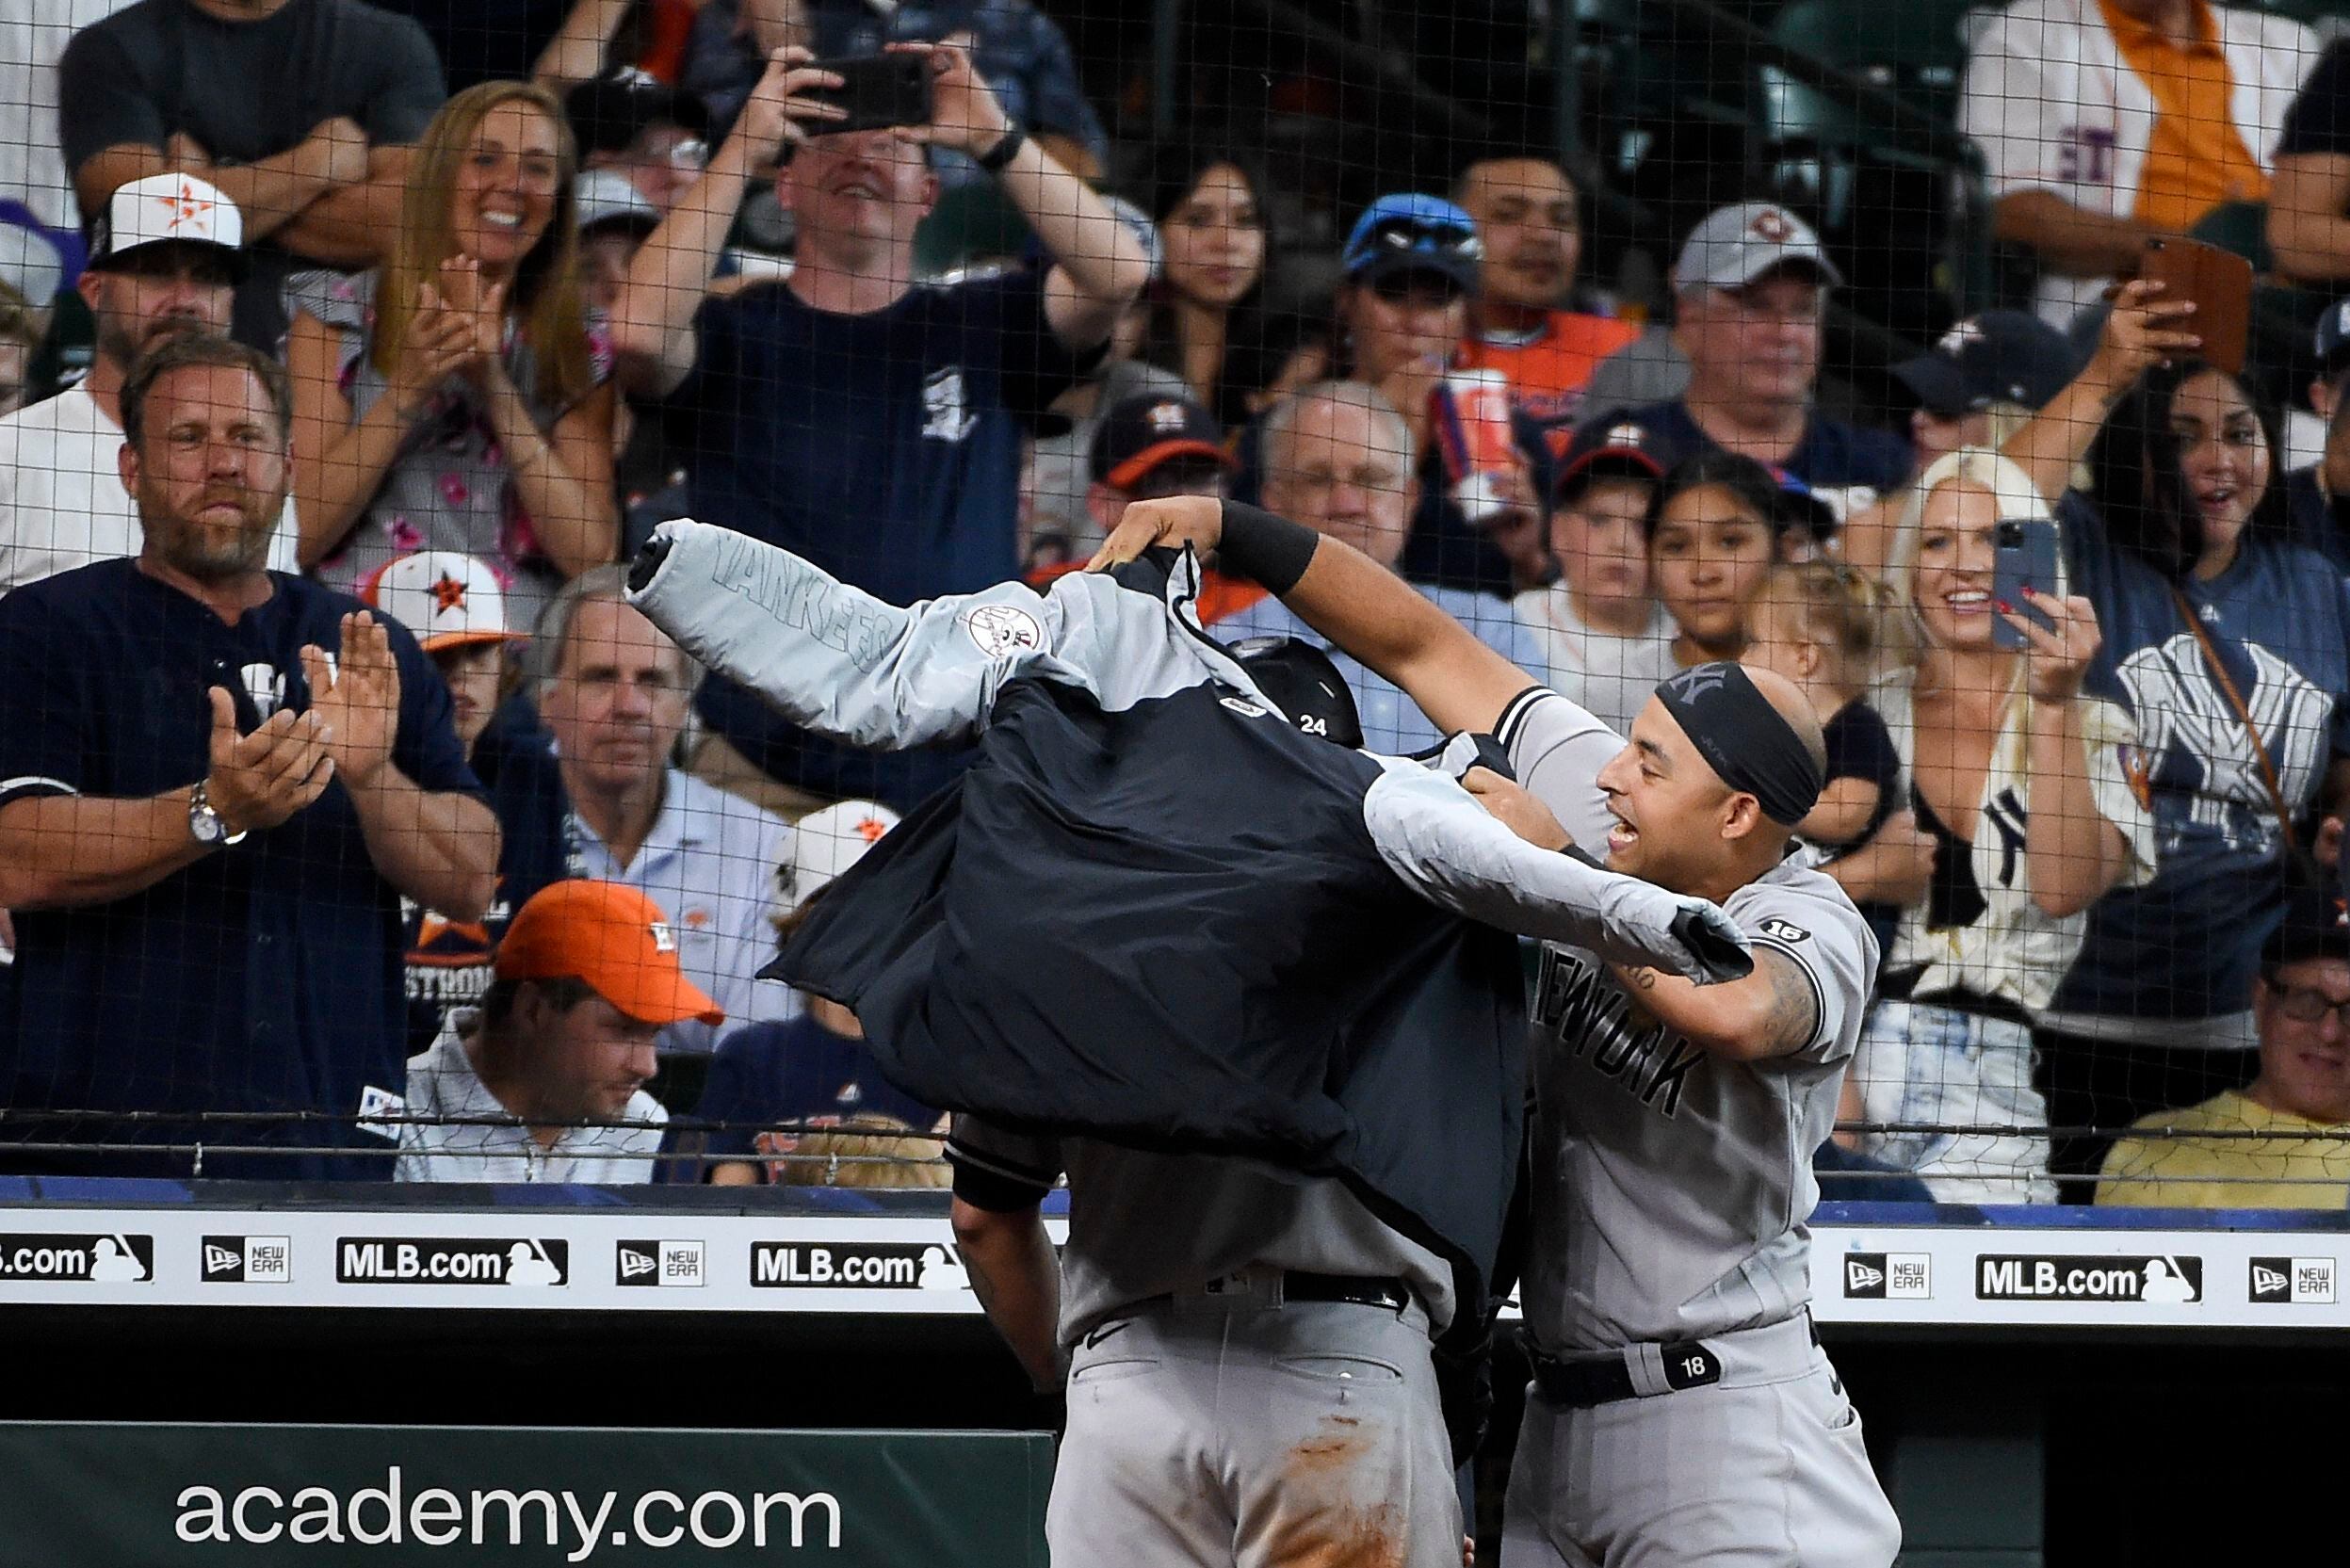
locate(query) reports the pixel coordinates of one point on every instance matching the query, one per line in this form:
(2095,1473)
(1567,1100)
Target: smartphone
(2025,556)
(878,91)
(2220,283)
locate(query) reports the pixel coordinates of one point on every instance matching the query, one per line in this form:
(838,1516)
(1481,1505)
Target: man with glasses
(1751,285)
(1337,459)
(2300,1099)
(168,261)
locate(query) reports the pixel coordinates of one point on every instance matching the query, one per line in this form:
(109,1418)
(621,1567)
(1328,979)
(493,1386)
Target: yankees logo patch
(1002,630)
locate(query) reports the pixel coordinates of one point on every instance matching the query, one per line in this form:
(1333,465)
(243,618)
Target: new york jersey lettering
(1583,1007)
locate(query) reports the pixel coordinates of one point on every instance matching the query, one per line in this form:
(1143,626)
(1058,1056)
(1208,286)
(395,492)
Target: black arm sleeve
(1264,548)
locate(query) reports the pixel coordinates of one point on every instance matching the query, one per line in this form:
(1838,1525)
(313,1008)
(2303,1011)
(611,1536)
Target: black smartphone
(2026,557)
(878,91)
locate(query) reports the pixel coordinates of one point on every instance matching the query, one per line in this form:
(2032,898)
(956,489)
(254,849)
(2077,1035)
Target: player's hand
(259,780)
(2057,661)
(356,697)
(1508,802)
(2143,330)
(775,113)
(1171,522)
(965,114)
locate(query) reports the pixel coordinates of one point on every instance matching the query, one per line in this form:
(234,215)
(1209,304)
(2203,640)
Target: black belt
(1379,1290)
(1582,1384)
(1361,1289)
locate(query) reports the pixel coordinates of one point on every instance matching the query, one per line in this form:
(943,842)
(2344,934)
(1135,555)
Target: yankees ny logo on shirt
(2182,711)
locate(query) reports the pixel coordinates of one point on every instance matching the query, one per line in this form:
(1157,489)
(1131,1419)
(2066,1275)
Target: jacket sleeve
(1446,847)
(838,661)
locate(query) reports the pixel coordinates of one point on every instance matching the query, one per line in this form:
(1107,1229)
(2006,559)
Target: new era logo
(246,1260)
(2293,1281)
(657,1264)
(1888,1276)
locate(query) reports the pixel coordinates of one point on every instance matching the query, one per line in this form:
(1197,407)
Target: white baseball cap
(447,598)
(167,209)
(826,843)
(1736,244)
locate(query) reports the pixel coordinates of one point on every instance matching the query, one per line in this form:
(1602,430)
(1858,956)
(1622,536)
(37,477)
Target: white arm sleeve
(1450,851)
(845,664)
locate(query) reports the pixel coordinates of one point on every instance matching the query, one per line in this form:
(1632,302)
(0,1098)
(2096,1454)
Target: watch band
(1006,149)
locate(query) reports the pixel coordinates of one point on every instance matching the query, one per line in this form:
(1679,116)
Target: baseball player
(1682,1410)
(1150,862)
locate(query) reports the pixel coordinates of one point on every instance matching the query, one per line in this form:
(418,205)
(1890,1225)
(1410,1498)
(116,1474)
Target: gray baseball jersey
(1144,1224)
(1671,1186)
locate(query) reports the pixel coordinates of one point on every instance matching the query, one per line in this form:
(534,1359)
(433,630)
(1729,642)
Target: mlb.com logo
(659,1263)
(1888,1277)
(248,1260)
(2291,1281)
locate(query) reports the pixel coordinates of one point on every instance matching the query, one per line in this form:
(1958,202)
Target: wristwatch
(1006,149)
(206,826)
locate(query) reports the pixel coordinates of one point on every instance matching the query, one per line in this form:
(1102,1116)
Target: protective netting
(1636,333)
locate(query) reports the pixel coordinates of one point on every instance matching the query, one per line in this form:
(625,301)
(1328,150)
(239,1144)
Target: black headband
(1744,739)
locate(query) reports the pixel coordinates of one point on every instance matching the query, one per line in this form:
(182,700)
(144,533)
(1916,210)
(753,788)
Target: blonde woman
(2023,784)
(457,398)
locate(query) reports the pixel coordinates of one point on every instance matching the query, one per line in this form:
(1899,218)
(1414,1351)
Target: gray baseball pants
(1763,1469)
(1239,1432)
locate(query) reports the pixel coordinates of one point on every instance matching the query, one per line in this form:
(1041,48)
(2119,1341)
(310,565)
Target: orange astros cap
(612,937)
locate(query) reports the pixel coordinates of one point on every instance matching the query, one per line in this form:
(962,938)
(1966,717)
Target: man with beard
(219,782)
(167,260)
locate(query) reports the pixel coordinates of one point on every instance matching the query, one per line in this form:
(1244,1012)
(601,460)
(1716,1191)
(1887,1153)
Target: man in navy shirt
(219,783)
(1752,284)
(867,423)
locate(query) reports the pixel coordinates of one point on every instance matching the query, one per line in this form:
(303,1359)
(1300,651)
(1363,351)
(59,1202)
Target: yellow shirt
(2194,157)
(2288,1170)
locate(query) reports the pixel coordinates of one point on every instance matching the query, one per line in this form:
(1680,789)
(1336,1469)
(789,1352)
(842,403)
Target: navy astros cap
(2333,337)
(1997,357)
(1609,450)
(1140,432)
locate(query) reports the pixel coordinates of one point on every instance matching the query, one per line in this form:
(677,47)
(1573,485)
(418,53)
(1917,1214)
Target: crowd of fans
(440,886)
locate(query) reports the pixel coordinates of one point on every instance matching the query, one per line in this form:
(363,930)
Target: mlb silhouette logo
(664,939)
(1166,418)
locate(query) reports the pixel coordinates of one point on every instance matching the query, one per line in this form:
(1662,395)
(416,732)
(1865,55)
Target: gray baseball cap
(1737,244)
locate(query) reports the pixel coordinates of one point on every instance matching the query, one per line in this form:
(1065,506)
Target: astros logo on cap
(1773,225)
(184,205)
(1625,435)
(1166,416)
(448,593)
(1960,335)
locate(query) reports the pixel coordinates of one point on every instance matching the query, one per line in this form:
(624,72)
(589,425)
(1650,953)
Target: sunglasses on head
(1402,236)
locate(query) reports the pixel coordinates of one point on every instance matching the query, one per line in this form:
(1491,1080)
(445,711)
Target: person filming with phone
(2022,781)
(867,422)
(2231,645)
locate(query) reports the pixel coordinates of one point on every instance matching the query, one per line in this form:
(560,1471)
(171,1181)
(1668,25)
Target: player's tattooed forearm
(1795,1016)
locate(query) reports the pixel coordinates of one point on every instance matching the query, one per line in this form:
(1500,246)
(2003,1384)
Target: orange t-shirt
(1548,372)
(2195,158)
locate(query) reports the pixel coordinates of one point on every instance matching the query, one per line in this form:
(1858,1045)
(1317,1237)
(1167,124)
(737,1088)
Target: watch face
(203,823)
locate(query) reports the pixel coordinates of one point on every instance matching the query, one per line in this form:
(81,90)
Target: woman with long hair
(2232,646)
(456,398)
(1207,320)
(2023,782)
